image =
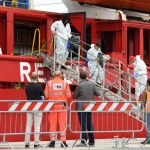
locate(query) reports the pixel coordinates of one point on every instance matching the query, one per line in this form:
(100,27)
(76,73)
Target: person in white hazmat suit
(96,70)
(62,32)
(140,76)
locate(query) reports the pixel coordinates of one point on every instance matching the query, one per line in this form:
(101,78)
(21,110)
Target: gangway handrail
(106,90)
(113,60)
(36,30)
(103,89)
(120,72)
(82,50)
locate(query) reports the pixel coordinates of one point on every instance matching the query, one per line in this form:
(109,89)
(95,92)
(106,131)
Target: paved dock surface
(101,144)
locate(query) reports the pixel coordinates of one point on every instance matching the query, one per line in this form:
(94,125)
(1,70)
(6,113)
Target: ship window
(23,38)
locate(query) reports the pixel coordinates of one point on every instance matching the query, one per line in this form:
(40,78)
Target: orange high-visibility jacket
(57,89)
(148,100)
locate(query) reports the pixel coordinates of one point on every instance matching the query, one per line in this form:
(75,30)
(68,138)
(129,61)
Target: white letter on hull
(38,69)
(25,72)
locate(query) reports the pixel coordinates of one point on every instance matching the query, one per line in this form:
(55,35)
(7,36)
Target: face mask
(65,23)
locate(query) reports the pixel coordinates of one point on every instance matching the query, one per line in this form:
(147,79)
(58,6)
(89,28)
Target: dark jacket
(144,96)
(34,91)
(85,91)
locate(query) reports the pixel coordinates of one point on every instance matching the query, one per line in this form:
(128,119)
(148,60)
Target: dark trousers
(85,119)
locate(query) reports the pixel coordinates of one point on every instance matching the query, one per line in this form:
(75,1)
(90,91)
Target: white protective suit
(61,38)
(0,50)
(140,80)
(96,71)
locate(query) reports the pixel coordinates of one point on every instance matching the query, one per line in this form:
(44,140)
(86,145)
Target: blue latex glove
(42,97)
(135,75)
(86,61)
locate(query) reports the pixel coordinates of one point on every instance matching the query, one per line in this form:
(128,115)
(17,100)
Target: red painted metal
(141,44)
(11,69)
(21,13)
(139,5)
(3,33)
(10,32)
(120,42)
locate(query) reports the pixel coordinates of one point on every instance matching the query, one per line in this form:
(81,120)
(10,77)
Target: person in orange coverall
(57,90)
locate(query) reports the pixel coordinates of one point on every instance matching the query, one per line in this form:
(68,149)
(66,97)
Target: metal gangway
(117,82)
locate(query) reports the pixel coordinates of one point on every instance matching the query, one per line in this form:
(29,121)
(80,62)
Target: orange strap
(148,100)
(51,43)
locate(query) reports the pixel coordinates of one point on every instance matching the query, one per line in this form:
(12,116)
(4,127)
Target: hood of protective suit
(92,45)
(99,50)
(65,19)
(137,58)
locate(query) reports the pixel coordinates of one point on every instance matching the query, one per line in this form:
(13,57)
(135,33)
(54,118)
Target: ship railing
(78,64)
(13,115)
(113,72)
(117,80)
(118,77)
(122,75)
(35,33)
(119,69)
(107,117)
(48,62)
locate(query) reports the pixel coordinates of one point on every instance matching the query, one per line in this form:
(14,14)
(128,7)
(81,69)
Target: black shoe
(38,146)
(27,146)
(98,84)
(51,144)
(63,67)
(91,144)
(65,144)
(144,142)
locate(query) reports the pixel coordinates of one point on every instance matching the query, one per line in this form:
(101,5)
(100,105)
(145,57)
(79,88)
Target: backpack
(101,61)
(75,41)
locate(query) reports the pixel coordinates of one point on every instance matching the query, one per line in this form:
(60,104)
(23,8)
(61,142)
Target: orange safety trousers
(60,115)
